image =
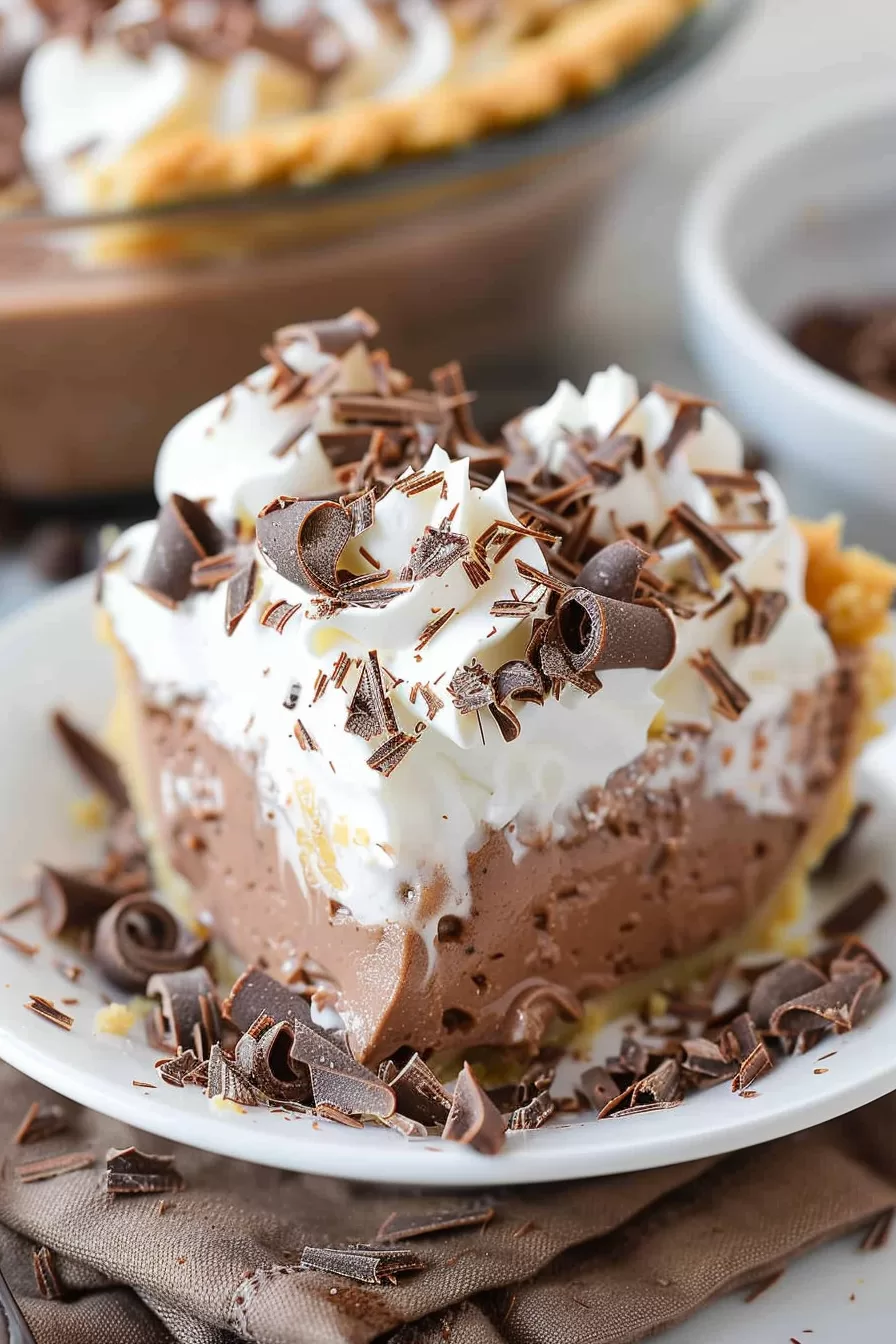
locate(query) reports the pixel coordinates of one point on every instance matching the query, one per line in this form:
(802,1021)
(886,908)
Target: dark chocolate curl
(613,571)
(474,1119)
(138,937)
(263,1056)
(599,633)
(94,763)
(256,992)
(302,539)
(516,680)
(68,901)
(184,534)
(188,1009)
(332,335)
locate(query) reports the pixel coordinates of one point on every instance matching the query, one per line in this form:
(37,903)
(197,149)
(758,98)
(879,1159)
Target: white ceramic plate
(47,658)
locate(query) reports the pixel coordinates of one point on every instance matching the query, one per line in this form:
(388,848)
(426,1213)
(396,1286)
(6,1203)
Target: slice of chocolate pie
(468,732)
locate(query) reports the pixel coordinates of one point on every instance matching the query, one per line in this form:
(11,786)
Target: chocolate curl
(262,1055)
(334,335)
(781,985)
(614,571)
(93,761)
(418,1093)
(256,992)
(302,539)
(68,901)
(515,680)
(138,937)
(532,1011)
(474,1119)
(184,534)
(842,1004)
(597,634)
(187,1016)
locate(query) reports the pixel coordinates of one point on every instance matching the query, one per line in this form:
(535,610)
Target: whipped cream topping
(90,104)
(387,840)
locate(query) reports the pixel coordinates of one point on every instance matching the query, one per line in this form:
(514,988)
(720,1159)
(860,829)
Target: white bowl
(799,211)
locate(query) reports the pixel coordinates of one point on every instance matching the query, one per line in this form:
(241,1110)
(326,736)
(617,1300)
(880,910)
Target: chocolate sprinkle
(708,540)
(363,1264)
(39,1123)
(138,937)
(858,911)
(405,1226)
(238,598)
(95,764)
(184,534)
(130,1172)
(473,1118)
(730,698)
(69,901)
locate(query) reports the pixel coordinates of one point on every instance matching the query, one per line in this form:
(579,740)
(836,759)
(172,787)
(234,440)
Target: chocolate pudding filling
(655,870)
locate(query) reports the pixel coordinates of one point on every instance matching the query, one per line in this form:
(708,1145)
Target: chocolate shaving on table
(712,544)
(765,607)
(598,1086)
(47,1009)
(729,697)
(841,1003)
(187,1015)
(598,633)
(370,711)
(239,595)
(660,1089)
(391,754)
(256,992)
(47,1168)
(780,985)
(688,419)
(332,336)
(857,911)
(68,901)
(215,569)
(473,1118)
(262,1054)
(138,937)
(176,1071)
(534,1113)
(703,1061)
(614,570)
(435,552)
(40,1122)
(93,761)
(131,1172)
(184,534)
(363,1264)
(832,863)
(225,1080)
(418,1093)
(45,1276)
(405,1226)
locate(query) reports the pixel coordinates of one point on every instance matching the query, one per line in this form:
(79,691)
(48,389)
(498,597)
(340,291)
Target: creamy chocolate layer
(655,871)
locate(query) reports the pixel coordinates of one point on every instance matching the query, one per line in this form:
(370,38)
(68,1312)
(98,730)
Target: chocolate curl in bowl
(517,680)
(184,534)
(302,539)
(137,938)
(599,634)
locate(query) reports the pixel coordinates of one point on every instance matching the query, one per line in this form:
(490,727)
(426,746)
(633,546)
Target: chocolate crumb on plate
(402,1227)
(46,1009)
(364,1264)
(131,1172)
(45,1275)
(473,1119)
(93,761)
(46,1168)
(40,1122)
(857,911)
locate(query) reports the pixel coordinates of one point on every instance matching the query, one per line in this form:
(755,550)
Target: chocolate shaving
(730,699)
(184,534)
(853,954)
(303,737)
(614,570)
(534,1113)
(95,764)
(391,754)
(410,1129)
(781,985)
(138,937)
(598,1087)
(363,1264)
(350,1093)
(370,711)
(709,541)
(765,607)
(430,699)
(598,633)
(363,512)
(305,414)
(187,1016)
(435,552)
(471,688)
(19,944)
(660,1089)
(332,336)
(405,1226)
(130,1172)
(858,911)
(262,1055)
(738,1038)
(328,1112)
(302,539)
(214,569)
(842,1003)
(176,1071)
(430,630)
(703,1061)
(688,420)
(39,1123)
(256,992)
(398,410)
(45,1276)
(47,1168)
(239,595)
(225,1080)
(46,1009)
(757,1063)
(473,1118)
(449,383)
(418,1093)
(68,901)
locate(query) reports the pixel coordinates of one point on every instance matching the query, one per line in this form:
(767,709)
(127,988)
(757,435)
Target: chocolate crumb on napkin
(250,1253)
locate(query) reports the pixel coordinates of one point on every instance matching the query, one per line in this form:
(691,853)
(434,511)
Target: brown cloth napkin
(608,1261)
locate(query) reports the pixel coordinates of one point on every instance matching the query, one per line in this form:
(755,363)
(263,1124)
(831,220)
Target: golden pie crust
(571,52)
